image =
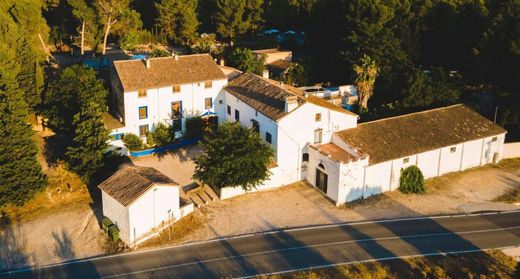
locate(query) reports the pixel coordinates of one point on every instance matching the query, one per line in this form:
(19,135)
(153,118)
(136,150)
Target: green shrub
(113,233)
(106,223)
(150,139)
(412,180)
(163,135)
(129,41)
(133,142)
(194,127)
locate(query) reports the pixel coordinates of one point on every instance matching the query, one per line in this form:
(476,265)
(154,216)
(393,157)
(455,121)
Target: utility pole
(496,111)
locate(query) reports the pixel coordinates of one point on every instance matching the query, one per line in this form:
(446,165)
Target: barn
(366,160)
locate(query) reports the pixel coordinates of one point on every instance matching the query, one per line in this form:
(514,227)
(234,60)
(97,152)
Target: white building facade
(140,200)
(367,160)
(163,90)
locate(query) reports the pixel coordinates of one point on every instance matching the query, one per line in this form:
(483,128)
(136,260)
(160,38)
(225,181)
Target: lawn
(492,264)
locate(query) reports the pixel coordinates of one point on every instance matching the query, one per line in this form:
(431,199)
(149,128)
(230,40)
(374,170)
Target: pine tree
(85,155)
(30,78)
(20,173)
(178,20)
(230,19)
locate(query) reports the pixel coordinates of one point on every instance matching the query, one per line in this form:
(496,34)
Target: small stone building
(140,201)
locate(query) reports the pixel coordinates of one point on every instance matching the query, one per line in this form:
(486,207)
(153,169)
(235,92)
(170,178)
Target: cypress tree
(30,78)
(85,155)
(20,173)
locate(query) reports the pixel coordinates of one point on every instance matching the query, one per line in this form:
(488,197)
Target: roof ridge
(164,57)
(412,113)
(281,86)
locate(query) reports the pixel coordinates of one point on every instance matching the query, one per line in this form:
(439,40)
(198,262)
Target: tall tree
(20,172)
(178,20)
(65,96)
(86,15)
(366,74)
(86,153)
(229,19)
(110,12)
(245,60)
(30,77)
(234,156)
(254,15)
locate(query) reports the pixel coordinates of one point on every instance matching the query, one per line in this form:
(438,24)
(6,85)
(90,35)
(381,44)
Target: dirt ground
(300,204)
(73,231)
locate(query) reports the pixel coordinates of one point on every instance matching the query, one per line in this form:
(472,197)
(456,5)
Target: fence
(166,148)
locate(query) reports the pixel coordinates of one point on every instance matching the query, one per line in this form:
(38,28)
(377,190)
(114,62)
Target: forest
(423,54)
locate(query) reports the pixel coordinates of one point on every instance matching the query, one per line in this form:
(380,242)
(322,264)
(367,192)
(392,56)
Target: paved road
(299,249)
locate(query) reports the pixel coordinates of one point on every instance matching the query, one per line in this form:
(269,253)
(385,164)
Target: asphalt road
(299,249)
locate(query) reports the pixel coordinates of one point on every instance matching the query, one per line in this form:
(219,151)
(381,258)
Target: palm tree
(366,77)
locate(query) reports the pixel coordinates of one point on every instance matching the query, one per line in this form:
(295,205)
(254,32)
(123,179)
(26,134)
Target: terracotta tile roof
(268,96)
(279,66)
(410,134)
(335,152)
(167,71)
(111,123)
(130,182)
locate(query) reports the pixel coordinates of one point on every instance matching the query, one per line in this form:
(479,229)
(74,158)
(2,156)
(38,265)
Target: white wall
(158,101)
(332,169)
(428,162)
(118,214)
(511,150)
(471,154)
(151,209)
(276,179)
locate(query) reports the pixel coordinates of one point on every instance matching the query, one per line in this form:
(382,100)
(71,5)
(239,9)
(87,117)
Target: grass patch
(508,164)
(180,229)
(372,200)
(65,190)
(492,264)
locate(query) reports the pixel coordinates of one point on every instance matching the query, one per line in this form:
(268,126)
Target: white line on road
(252,234)
(310,246)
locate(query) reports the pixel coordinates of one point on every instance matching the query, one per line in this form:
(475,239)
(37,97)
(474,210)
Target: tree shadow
(54,149)
(12,242)
(63,247)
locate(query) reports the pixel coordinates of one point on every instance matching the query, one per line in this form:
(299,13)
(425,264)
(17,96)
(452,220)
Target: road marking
(96,258)
(372,260)
(310,246)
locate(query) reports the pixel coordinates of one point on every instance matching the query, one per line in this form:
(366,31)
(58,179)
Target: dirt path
(59,237)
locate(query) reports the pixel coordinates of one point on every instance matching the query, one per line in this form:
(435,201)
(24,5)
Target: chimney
(222,63)
(265,74)
(291,103)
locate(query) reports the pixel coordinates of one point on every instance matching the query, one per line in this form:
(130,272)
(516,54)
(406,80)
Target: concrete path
(300,249)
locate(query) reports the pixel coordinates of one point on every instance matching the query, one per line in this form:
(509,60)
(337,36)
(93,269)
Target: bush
(194,127)
(133,142)
(113,232)
(246,61)
(150,140)
(412,180)
(163,135)
(129,41)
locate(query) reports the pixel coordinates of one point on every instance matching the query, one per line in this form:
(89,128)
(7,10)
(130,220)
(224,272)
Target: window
(208,84)
(256,113)
(176,88)
(237,115)
(453,149)
(229,110)
(305,157)
(208,103)
(494,139)
(177,116)
(220,102)
(268,137)
(318,134)
(255,125)
(141,93)
(406,160)
(143,130)
(143,112)
(318,117)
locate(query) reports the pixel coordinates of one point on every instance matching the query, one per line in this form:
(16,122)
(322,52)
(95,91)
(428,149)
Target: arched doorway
(321,178)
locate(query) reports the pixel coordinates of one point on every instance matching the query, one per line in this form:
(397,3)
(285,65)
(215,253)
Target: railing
(161,149)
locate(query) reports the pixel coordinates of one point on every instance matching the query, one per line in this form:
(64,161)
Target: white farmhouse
(285,119)
(367,160)
(139,200)
(162,90)
(321,143)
